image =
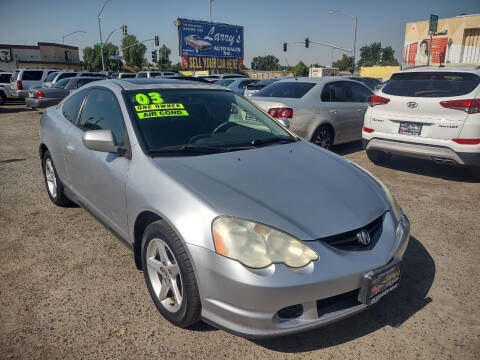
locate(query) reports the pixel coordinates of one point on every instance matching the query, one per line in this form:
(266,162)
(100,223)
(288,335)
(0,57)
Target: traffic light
(380,56)
(157,41)
(307,42)
(285,47)
(124,30)
(154,56)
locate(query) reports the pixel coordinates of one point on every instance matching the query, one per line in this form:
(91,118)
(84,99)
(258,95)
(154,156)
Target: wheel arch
(42,149)
(143,219)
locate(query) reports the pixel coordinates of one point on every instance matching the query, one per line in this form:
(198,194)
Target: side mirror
(284,121)
(100,140)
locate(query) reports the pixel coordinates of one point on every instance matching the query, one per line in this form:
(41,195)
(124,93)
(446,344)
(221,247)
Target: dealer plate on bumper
(378,283)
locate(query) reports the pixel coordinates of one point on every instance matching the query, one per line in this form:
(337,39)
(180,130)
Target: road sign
(433,24)
(117,57)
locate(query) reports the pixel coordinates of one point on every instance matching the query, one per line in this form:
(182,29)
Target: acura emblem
(412,104)
(363,237)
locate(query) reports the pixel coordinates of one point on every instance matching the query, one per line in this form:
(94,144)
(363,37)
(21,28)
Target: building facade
(457,42)
(44,55)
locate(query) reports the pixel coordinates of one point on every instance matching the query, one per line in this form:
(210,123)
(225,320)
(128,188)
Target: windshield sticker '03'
(153,97)
(158,107)
(161,113)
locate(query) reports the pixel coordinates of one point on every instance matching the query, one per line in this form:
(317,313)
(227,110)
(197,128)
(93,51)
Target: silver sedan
(197,182)
(326,111)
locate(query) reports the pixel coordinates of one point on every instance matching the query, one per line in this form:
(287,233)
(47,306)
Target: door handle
(360,110)
(333,111)
(70,147)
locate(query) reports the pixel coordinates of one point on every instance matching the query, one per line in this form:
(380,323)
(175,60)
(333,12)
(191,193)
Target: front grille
(348,240)
(337,303)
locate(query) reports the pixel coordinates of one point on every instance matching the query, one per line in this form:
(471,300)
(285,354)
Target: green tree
(344,64)
(265,63)
(92,58)
(300,69)
(134,55)
(164,57)
(370,55)
(176,67)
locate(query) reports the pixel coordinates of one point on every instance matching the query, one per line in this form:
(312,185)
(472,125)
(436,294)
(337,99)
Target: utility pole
(210,9)
(354,34)
(100,32)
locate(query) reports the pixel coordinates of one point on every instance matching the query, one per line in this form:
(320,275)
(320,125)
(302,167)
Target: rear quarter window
(5,78)
(32,75)
(431,84)
(72,104)
(287,89)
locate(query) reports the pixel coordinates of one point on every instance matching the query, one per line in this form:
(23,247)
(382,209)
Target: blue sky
(267,22)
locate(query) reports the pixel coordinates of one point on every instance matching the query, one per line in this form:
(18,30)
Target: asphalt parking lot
(70,289)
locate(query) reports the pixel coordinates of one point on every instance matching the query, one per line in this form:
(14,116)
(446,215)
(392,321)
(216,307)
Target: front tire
(324,136)
(3,98)
(378,157)
(169,275)
(52,182)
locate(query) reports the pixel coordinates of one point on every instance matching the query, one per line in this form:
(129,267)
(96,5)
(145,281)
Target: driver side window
(102,112)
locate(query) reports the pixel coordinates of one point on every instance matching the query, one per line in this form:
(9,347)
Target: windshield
(213,119)
(431,84)
(15,76)
(51,76)
(288,89)
(62,83)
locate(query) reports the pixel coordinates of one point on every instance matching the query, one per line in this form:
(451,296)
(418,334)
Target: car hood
(298,188)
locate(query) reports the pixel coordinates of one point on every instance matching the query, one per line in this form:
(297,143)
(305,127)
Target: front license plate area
(379,283)
(408,128)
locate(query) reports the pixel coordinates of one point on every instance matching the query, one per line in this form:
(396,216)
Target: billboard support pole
(429,49)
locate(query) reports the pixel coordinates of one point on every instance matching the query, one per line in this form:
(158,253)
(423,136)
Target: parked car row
(188,155)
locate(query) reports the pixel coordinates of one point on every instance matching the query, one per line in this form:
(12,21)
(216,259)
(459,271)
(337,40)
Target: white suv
(430,113)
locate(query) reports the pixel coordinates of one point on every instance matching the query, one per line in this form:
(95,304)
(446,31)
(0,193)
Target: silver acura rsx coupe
(232,218)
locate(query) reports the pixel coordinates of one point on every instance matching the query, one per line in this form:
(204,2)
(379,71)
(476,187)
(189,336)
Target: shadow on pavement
(429,168)
(393,310)
(14,108)
(348,148)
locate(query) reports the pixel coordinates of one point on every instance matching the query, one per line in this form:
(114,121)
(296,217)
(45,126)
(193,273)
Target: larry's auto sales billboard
(206,45)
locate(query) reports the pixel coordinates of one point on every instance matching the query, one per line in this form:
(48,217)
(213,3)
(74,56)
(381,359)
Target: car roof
(156,83)
(318,80)
(475,69)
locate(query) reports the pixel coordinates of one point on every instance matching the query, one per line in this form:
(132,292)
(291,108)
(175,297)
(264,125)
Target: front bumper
(40,103)
(253,302)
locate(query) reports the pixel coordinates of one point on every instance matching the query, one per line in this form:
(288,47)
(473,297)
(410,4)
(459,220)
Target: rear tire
(52,182)
(324,136)
(179,302)
(378,157)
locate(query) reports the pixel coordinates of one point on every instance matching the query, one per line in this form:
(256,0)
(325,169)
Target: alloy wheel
(164,275)
(324,137)
(51,178)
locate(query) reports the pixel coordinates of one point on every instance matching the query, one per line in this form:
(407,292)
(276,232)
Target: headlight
(258,246)
(396,210)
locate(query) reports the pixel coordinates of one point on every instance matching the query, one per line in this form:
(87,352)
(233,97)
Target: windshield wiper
(194,149)
(259,142)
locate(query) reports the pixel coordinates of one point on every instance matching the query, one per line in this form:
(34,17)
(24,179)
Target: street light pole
(354,35)
(75,32)
(210,9)
(100,32)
